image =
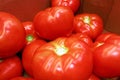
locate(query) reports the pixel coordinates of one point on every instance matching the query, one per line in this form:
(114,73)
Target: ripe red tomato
(10,67)
(73,4)
(30,32)
(106,52)
(90,24)
(28,54)
(54,22)
(63,59)
(12,35)
(21,78)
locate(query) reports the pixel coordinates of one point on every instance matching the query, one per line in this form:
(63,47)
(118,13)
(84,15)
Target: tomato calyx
(29,38)
(60,49)
(86,19)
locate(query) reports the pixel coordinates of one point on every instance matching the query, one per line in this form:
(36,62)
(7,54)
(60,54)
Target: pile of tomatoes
(58,45)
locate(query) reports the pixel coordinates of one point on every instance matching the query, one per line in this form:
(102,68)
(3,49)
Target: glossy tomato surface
(73,4)
(63,59)
(10,67)
(83,37)
(54,22)
(12,35)
(30,32)
(90,24)
(107,56)
(28,54)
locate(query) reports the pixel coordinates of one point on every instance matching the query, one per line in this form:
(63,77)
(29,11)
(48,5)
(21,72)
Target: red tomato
(10,67)
(84,38)
(107,55)
(62,59)
(12,35)
(90,24)
(28,53)
(21,78)
(94,77)
(54,22)
(73,4)
(30,32)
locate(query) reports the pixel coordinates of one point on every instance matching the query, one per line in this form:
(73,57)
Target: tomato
(90,24)
(10,67)
(84,38)
(12,35)
(106,52)
(63,59)
(94,77)
(28,54)
(73,4)
(30,32)
(54,22)
(21,78)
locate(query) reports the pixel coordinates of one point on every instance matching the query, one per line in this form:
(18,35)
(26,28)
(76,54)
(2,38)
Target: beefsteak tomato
(73,4)
(63,59)
(12,35)
(90,24)
(10,67)
(106,52)
(54,22)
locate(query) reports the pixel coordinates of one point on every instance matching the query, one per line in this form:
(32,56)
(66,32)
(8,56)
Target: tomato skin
(10,67)
(28,54)
(84,38)
(63,59)
(54,22)
(73,4)
(90,24)
(107,56)
(12,35)
(21,78)
(105,36)
(30,32)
